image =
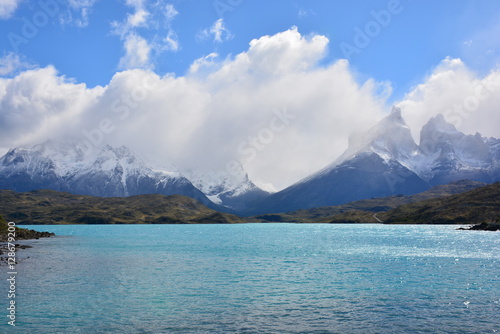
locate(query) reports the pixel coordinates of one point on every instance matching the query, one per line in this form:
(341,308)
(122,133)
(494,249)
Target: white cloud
(467,100)
(138,18)
(38,104)
(171,41)
(218,31)
(135,3)
(272,107)
(170,12)
(133,20)
(137,53)
(212,116)
(77,12)
(12,63)
(141,33)
(8,7)
(204,65)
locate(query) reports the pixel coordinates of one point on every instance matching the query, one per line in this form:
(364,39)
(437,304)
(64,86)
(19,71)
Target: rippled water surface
(258,278)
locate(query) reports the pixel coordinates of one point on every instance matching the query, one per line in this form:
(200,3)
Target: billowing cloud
(8,7)
(467,100)
(38,104)
(273,108)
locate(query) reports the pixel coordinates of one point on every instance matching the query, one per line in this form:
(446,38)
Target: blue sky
(64,64)
(415,40)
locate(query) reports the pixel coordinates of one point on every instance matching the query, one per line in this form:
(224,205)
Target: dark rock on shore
(21,233)
(483,227)
(25,234)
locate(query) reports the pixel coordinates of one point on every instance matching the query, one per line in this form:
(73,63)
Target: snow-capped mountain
(383,161)
(233,191)
(386,161)
(374,165)
(107,172)
(446,154)
(390,139)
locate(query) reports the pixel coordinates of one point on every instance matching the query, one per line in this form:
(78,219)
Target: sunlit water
(257,278)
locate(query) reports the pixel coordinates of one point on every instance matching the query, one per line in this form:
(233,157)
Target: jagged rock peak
(437,134)
(438,123)
(395,116)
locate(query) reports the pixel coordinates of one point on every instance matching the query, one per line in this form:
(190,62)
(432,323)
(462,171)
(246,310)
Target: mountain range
(114,172)
(386,161)
(383,161)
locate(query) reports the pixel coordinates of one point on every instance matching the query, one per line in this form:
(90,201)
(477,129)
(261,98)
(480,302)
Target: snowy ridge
(223,188)
(68,166)
(108,171)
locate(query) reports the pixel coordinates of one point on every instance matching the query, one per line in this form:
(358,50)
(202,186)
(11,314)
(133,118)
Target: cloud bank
(273,108)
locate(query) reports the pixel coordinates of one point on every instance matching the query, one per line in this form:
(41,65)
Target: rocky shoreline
(482,227)
(11,235)
(25,234)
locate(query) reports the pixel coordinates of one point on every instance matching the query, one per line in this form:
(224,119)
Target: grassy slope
(472,207)
(430,207)
(363,211)
(52,207)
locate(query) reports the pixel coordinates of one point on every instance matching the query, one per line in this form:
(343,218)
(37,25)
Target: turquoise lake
(257,278)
